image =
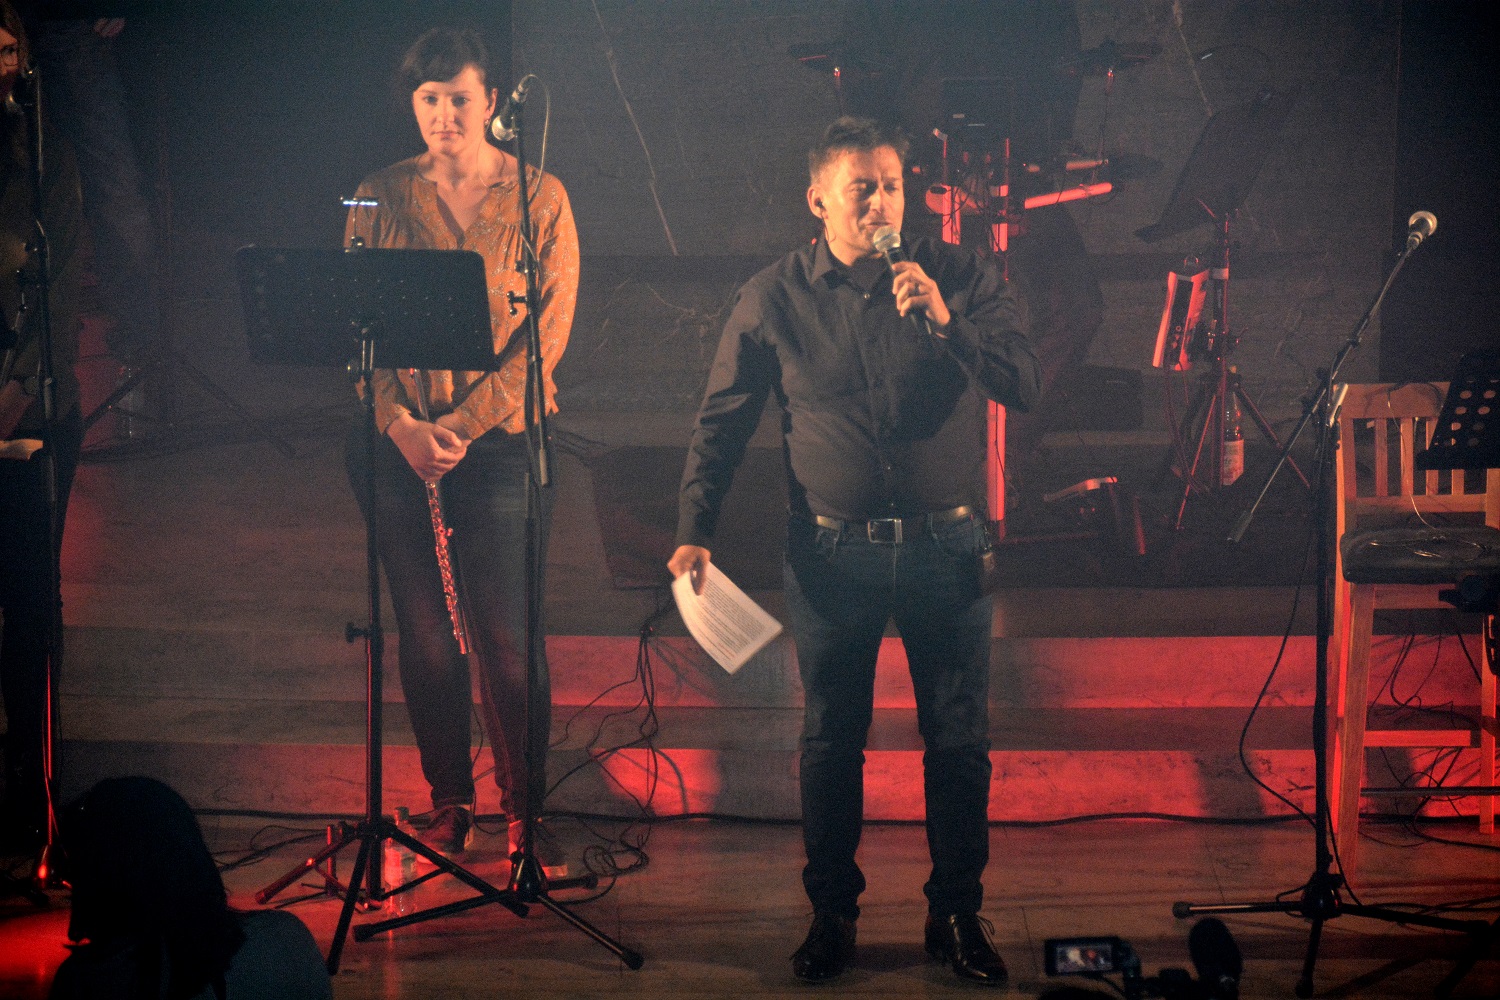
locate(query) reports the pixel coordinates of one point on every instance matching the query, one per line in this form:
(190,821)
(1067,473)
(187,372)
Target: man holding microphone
(880,368)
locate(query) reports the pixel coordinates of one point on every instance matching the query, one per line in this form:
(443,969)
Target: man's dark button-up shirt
(878,418)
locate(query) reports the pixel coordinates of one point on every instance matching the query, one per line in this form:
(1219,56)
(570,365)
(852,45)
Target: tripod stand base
(1320,902)
(172,362)
(528,886)
(370,836)
(331,885)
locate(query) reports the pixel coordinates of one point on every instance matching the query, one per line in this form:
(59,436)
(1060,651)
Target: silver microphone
(503,127)
(1420,226)
(887,240)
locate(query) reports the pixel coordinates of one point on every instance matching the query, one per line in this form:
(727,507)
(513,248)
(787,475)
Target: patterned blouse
(408,217)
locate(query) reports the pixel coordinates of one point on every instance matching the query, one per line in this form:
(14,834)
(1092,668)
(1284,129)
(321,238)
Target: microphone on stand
(888,241)
(503,127)
(1420,226)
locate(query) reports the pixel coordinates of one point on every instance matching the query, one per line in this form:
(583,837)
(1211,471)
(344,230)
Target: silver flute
(440,533)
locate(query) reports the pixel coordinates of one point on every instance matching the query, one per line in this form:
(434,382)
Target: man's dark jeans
(841,590)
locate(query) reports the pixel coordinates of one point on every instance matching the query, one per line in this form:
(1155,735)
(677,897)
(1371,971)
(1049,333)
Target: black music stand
(361,309)
(1214,183)
(1468,428)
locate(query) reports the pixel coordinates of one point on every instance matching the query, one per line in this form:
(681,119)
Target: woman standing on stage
(461,194)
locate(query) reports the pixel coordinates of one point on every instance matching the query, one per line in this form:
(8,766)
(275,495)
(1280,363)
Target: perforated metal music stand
(424,309)
(1468,428)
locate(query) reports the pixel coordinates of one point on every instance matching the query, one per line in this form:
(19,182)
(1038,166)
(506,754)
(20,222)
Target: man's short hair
(847,135)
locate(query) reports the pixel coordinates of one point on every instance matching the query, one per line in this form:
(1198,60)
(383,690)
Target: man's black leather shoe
(827,950)
(963,941)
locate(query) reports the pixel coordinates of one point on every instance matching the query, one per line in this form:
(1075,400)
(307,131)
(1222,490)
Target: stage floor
(719,909)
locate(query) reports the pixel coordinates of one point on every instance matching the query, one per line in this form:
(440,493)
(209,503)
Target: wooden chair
(1403,536)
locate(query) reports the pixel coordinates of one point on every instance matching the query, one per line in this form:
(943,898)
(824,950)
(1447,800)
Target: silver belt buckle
(894,522)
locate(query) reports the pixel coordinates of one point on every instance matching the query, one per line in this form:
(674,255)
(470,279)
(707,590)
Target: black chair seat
(1420,555)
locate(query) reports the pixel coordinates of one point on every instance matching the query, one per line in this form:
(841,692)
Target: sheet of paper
(727,624)
(20,449)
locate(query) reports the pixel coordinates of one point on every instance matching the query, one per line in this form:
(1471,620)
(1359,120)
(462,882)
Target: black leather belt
(893,530)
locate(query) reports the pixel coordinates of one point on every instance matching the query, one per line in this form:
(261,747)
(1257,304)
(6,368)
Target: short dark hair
(849,134)
(440,55)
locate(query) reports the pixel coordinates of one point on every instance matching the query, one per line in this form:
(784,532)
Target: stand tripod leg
(1190,473)
(205,383)
(632,959)
(211,387)
(346,915)
(1265,429)
(1206,400)
(1171,462)
(122,390)
(1184,910)
(485,893)
(366,931)
(1483,941)
(1304,987)
(275,888)
(529,884)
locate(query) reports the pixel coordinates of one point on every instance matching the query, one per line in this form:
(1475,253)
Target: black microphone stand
(528,879)
(1319,899)
(28,95)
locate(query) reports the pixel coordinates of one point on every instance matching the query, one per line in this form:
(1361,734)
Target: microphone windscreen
(887,239)
(1423,222)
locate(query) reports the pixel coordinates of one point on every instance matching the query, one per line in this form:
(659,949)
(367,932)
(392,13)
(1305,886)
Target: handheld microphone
(887,240)
(503,127)
(1216,958)
(23,91)
(1420,226)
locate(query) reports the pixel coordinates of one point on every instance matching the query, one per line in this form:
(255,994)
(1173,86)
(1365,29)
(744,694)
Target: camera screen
(1078,956)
